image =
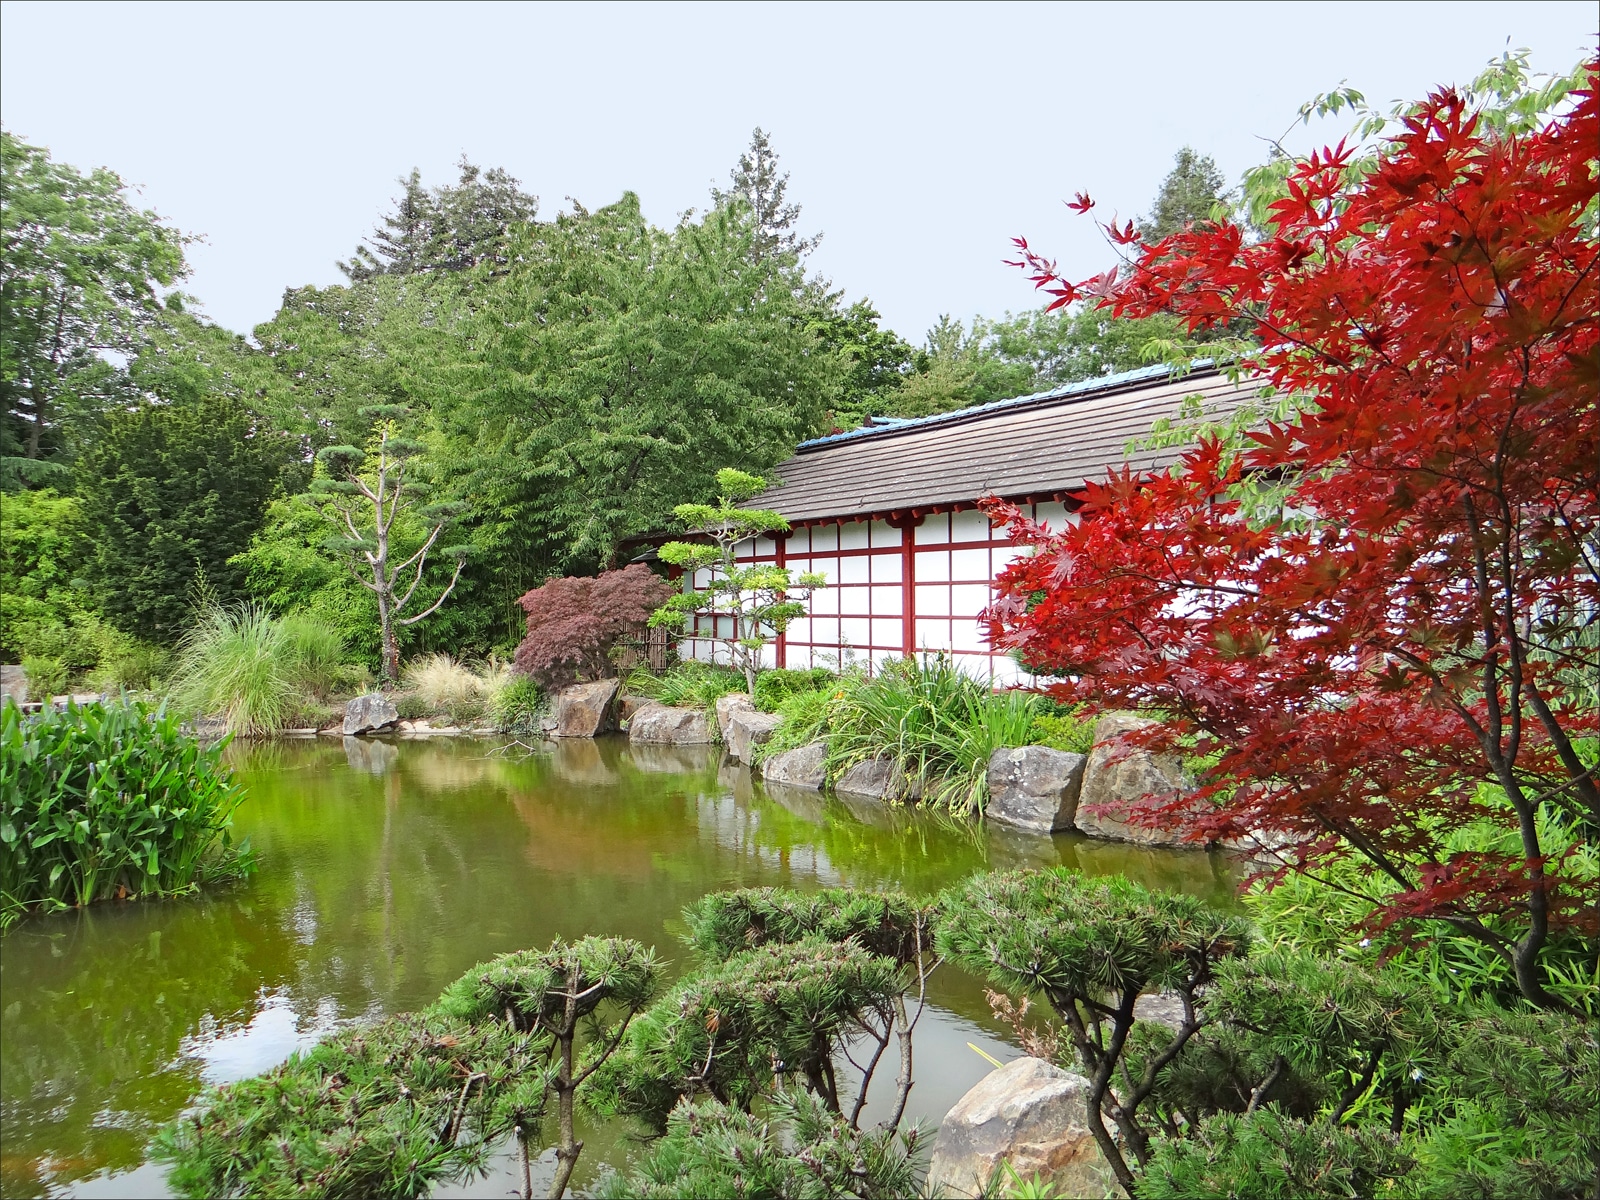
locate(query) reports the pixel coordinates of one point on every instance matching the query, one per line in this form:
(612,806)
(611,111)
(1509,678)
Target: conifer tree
(1188,194)
(757,182)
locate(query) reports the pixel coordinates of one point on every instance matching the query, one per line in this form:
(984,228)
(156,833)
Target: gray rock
(1164,1008)
(877,779)
(664,726)
(586,710)
(1120,777)
(1034,787)
(746,729)
(727,705)
(368,713)
(1029,1114)
(803,768)
(13,684)
(627,705)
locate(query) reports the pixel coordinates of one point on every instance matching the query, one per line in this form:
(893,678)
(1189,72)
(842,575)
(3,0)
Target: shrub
(775,686)
(573,622)
(804,719)
(518,705)
(1062,731)
(104,800)
(251,669)
(795,1148)
(46,676)
(135,666)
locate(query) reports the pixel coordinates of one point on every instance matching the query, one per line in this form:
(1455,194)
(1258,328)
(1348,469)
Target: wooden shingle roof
(1038,445)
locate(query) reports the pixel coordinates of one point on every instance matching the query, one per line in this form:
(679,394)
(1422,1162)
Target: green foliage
(795,1150)
(443,685)
(746,606)
(888,924)
(384,1110)
(1062,731)
(688,683)
(1337,915)
(730,1029)
(1192,190)
(805,719)
(611,371)
(109,800)
(1033,351)
(548,990)
(939,725)
(776,685)
(253,670)
(81,273)
(166,490)
(46,676)
(1265,1154)
(879,361)
(518,705)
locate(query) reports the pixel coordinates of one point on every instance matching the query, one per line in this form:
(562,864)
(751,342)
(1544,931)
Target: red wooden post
(780,542)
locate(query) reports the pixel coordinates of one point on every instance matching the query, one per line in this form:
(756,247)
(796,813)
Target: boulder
(368,713)
(1163,1008)
(1029,1114)
(875,778)
(1034,787)
(664,726)
(745,730)
(727,705)
(585,710)
(803,768)
(1118,776)
(14,684)
(628,704)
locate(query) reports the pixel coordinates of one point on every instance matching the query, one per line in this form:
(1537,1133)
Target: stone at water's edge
(1029,1114)
(802,768)
(14,683)
(366,714)
(876,778)
(746,729)
(728,705)
(1034,787)
(586,710)
(1117,776)
(666,726)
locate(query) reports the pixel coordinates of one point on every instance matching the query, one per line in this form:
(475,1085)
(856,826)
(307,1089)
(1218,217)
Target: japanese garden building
(889,513)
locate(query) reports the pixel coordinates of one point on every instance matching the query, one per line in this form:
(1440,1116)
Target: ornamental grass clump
(939,726)
(110,800)
(687,684)
(255,671)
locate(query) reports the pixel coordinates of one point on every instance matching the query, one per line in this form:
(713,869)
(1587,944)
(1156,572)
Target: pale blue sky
(920,137)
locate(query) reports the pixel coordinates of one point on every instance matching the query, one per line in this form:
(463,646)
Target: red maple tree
(1407,647)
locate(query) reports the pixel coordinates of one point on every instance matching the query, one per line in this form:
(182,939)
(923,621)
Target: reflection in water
(389,869)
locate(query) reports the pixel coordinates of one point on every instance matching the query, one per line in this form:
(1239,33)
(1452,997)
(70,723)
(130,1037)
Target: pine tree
(1188,194)
(756,182)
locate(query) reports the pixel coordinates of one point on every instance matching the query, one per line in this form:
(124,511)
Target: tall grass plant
(254,671)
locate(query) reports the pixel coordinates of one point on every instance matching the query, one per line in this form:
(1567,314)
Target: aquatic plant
(110,800)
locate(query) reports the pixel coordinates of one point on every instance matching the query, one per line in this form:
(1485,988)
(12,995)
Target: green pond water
(387,870)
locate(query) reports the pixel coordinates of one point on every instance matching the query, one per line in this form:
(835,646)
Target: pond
(388,869)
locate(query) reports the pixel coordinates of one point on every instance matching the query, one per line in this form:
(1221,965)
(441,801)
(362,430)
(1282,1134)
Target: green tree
(747,606)
(450,228)
(385,530)
(1189,193)
(169,490)
(757,184)
(81,273)
(608,374)
(876,361)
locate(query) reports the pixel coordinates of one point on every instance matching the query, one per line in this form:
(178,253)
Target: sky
(920,138)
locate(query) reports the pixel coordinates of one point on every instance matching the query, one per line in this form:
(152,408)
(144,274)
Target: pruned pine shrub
(573,623)
(383,1110)
(890,924)
(110,800)
(735,1028)
(795,1148)
(252,670)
